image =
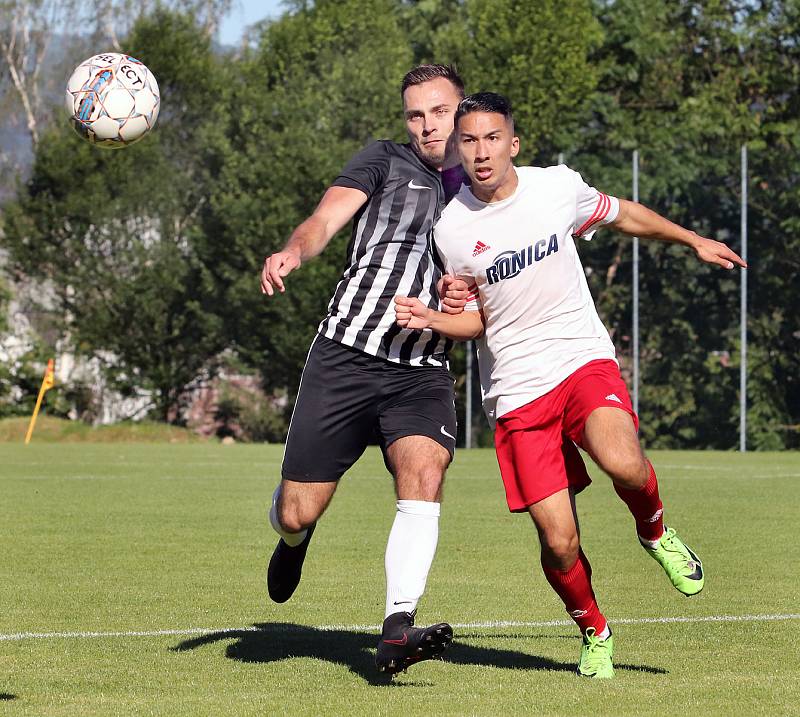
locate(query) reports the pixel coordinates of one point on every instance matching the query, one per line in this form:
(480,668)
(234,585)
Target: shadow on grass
(7,696)
(272,642)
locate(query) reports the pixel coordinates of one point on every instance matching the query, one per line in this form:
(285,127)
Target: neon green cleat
(681,565)
(596,656)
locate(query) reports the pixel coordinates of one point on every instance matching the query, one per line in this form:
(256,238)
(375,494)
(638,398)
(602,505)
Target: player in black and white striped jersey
(365,375)
(385,254)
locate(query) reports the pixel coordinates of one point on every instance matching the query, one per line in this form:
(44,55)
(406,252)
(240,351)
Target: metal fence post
(743,314)
(636,290)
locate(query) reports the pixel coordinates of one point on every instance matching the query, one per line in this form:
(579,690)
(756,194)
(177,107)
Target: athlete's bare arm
(411,313)
(337,207)
(637,220)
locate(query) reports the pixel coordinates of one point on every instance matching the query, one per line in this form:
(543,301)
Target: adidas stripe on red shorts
(536,443)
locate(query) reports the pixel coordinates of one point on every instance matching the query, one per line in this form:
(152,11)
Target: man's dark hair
(485,102)
(426,73)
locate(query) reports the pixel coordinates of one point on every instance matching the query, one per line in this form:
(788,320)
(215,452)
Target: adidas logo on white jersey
(480,247)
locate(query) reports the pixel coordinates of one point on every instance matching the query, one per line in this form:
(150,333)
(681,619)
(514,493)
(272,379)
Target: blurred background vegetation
(144,263)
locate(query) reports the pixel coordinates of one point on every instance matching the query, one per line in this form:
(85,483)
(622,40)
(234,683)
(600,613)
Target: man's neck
(502,191)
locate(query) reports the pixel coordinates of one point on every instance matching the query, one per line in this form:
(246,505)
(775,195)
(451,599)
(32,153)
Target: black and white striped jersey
(390,253)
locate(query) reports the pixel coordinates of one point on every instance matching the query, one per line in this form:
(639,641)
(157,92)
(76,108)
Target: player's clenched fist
(453,293)
(411,313)
(276,266)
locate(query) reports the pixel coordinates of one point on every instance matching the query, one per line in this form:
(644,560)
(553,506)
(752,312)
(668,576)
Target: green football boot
(596,656)
(682,566)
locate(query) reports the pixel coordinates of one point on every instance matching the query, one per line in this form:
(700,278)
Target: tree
(668,74)
(536,54)
(26,32)
(114,233)
(772,62)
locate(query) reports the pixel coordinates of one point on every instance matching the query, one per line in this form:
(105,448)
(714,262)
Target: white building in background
(106,405)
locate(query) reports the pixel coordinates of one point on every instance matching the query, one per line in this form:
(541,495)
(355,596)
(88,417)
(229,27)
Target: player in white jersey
(549,375)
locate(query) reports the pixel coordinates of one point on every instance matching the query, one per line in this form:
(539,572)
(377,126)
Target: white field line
(492,624)
(777,475)
(737,470)
(693,467)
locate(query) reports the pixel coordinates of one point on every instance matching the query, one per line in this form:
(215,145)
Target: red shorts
(536,443)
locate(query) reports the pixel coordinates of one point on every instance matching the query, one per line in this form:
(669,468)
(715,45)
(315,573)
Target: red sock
(645,506)
(574,587)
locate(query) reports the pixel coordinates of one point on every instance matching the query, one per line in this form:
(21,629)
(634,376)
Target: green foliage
(251,416)
(538,55)
(687,83)
(6,374)
(20,379)
(5,296)
(50,429)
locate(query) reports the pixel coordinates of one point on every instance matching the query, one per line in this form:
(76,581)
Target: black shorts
(348,399)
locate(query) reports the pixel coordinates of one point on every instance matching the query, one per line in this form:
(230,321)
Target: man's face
(428,110)
(486,145)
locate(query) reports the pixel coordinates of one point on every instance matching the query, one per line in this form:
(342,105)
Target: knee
(431,480)
(420,483)
(560,549)
(293,518)
(630,472)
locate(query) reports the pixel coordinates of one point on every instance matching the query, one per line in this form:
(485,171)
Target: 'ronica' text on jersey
(510,263)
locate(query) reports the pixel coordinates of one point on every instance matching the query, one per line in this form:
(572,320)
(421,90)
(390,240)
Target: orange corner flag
(49,376)
(48,382)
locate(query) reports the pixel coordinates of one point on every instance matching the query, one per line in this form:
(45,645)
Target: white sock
(291,539)
(606,632)
(409,553)
(653,544)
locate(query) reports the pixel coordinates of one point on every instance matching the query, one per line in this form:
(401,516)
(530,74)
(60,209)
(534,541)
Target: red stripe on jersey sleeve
(600,213)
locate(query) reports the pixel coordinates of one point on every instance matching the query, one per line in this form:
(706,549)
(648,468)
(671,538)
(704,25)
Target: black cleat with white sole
(403,645)
(286,567)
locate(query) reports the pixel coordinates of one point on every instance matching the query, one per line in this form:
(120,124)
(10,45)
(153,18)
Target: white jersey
(519,257)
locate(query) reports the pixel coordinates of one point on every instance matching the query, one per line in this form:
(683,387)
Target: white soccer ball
(112,100)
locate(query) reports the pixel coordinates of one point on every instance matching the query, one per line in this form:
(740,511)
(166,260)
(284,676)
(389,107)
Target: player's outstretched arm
(637,220)
(411,313)
(337,207)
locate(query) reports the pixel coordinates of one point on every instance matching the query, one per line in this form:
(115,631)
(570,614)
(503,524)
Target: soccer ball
(112,100)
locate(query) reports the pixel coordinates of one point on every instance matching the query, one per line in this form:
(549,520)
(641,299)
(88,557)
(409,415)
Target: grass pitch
(133,584)
(60,430)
